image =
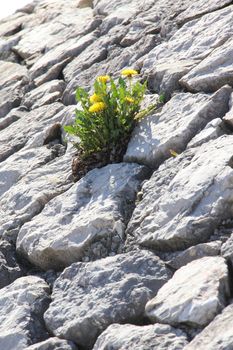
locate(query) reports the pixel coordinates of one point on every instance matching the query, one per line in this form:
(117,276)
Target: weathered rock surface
(21,316)
(127,337)
(124,282)
(178,122)
(185,199)
(196,252)
(212,131)
(217,335)
(227,249)
(53,344)
(194,296)
(91,218)
(9,267)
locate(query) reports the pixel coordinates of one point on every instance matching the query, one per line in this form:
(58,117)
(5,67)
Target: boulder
(185,199)
(88,297)
(90,218)
(10,270)
(21,314)
(195,294)
(217,335)
(128,337)
(172,128)
(53,344)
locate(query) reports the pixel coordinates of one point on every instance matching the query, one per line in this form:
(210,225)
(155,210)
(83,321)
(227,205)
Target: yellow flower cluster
(129,99)
(95,98)
(103,78)
(97,107)
(129,72)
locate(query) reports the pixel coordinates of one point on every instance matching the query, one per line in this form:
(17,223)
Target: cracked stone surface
(91,218)
(194,295)
(82,287)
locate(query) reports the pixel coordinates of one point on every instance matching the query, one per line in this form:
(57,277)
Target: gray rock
(227,249)
(196,252)
(88,297)
(9,267)
(196,293)
(212,131)
(217,335)
(228,118)
(22,306)
(128,337)
(213,72)
(200,8)
(181,204)
(53,344)
(48,35)
(45,94)
(11,117)
(172,128)
(13,139)
(11,73)
(10,97)
(29,195)
(91,218)
(50,65)
(189,43)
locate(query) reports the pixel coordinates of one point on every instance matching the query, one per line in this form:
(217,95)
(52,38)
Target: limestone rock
(53,344)
(212,131)
(88,297)
(13,139)
(196,293)
(11,73)
(227,249)
(185,199)
(195,252)
(90,218)
(213,72)
(172,128)
(10,97)
(22,306)
(127,337)
(228,118)
(217,335)
(45,94)
(9,267)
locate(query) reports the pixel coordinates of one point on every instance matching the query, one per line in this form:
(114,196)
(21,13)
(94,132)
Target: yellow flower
(129,99)
(103,78)
(95,98)
(129,72)
(97,107)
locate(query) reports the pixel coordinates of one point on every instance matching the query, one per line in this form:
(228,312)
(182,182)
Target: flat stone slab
(21,317)
(128,337)
(53,344)
(90,218)
(181,204)
(218,335)
(88,297)
(179,121)
(196,293)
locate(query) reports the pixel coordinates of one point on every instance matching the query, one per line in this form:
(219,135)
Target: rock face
(22,306)
(126,337)
(181,205)
(194,295)
(121,229)
(125,283)
(91,218)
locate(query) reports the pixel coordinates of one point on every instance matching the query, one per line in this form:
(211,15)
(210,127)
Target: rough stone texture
(88,297)
(91,218)
(213,72)
(11,73)
(9,267)
(228,118)
(178,122)
(22,306)
(196,293)
(196,252)
(227,249)
(185,199)
(53,344)
(45,94)
(28,196)
(128,337)
(189,43)
(217,335)
(15,138)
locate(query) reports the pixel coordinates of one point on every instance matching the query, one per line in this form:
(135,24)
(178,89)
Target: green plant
(107,117)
